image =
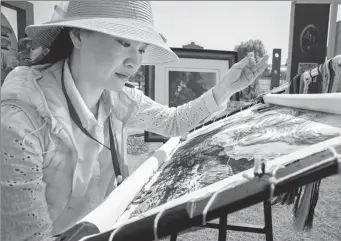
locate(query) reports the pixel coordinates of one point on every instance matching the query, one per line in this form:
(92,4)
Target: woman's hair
(60,49)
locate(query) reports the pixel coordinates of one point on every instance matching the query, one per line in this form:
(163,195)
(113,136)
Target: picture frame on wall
(302,67)
(308,36)
(12,32)
(178,83)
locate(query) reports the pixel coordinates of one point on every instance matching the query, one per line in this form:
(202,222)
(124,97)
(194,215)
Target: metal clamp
(209,204)
(156,222)
(261,174)
(272,179)
(207,207)
(258,169)
(113,233)
(191,205)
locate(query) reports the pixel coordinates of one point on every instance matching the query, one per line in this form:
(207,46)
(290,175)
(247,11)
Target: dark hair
(60,49)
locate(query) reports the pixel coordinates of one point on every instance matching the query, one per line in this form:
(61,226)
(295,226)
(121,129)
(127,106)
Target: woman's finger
(264,59)
(259,70)
(259,67)
(252,60)
(247,61)
(262,62)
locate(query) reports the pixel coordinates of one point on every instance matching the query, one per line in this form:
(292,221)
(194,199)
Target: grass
(326,226)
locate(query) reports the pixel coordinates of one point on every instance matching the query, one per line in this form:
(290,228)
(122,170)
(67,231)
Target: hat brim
(157,53)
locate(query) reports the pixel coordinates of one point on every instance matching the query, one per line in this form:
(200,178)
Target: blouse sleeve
(24,211)
(171,121)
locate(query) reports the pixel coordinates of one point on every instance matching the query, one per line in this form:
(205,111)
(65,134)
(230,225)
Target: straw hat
(126,19)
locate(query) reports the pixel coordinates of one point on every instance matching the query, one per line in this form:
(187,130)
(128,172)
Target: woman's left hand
(240,76)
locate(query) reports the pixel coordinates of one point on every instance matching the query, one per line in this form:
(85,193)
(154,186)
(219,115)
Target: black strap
(78,122)
(318,70)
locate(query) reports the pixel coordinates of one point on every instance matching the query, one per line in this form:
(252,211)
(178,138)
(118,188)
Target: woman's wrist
(221,95)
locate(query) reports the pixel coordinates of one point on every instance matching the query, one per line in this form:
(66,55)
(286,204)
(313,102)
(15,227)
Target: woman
(64,118)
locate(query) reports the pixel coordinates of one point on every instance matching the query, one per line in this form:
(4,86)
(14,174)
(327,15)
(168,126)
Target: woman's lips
(122,77)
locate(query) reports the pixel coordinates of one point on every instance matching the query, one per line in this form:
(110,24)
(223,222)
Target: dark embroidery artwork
(231,145)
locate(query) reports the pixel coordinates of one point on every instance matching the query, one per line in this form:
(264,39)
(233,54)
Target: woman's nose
(133,60)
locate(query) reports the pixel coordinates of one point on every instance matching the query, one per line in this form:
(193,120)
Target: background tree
(243,49)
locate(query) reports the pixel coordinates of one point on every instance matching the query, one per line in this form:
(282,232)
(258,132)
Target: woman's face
(107,62)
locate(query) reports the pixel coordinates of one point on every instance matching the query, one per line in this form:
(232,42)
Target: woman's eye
(142,51)
(125,44)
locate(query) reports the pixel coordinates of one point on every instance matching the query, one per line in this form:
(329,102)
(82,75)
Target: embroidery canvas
(231,145)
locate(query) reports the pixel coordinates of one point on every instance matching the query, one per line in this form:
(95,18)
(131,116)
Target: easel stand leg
(173,237)
(223,226)
(268,221)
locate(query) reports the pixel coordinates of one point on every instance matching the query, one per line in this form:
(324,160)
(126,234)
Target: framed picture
(302,67)
(185,85)
(15,16)
(308,35)
(25,16)
(178,83)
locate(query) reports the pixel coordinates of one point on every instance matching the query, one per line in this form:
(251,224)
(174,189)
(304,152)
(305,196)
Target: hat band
(135,10)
